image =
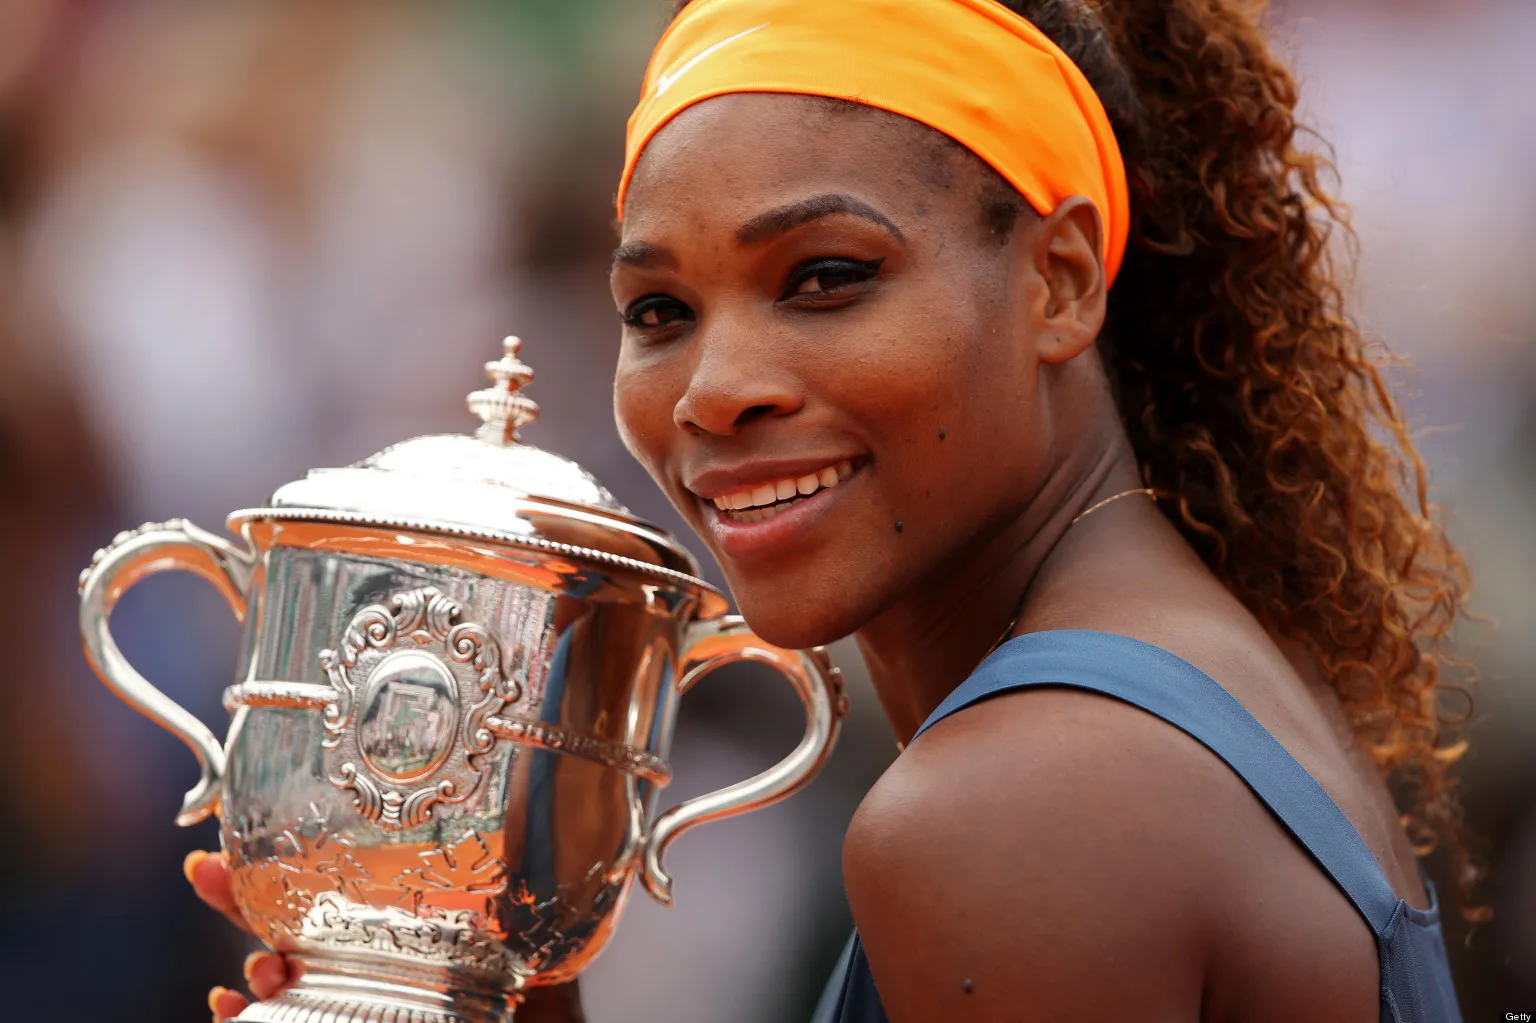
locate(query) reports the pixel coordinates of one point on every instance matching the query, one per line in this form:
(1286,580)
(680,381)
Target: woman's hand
(269,974)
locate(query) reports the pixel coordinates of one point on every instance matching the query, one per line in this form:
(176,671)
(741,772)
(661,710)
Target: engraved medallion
(409,715)
(413,688)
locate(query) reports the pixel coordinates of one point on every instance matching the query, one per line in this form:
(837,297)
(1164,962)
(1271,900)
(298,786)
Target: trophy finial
(502,410)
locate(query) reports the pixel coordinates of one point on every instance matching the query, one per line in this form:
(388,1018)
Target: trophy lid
(489,485)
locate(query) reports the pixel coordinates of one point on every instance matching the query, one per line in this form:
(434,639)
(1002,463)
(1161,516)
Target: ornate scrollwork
(413,686)
(454,940)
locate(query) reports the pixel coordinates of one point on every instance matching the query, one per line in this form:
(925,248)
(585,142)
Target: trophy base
(289,1009)
(326,994)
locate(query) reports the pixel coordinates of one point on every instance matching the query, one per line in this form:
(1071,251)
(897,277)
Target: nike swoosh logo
(664,81)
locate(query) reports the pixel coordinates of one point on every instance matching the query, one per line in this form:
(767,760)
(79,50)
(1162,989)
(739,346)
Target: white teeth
(767,500)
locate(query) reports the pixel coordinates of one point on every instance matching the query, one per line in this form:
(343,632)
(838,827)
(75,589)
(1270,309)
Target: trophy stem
(337,989)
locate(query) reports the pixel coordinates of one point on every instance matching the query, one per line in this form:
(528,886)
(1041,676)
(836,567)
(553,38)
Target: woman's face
(822,338)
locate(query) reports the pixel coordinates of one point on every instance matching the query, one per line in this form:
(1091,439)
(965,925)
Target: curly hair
(1256,408)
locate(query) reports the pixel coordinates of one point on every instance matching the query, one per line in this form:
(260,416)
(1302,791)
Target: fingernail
(213,999)
(191,863)
(251,962)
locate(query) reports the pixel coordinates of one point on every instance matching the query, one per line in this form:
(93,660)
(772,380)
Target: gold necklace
(1018,611)
(1108,500)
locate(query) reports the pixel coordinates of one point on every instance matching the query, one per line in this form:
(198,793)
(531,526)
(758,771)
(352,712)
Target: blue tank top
(1415,975)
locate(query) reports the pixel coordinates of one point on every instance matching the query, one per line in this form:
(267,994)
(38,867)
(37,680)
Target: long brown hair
(1252,401)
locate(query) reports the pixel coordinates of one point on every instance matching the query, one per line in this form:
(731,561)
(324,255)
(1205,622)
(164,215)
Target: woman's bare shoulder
(1051,748)
(1113,853)
(1054,827)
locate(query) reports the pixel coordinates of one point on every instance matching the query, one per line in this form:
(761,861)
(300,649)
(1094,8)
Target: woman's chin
(788,619)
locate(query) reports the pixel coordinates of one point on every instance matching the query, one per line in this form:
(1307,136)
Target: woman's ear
(1067,255)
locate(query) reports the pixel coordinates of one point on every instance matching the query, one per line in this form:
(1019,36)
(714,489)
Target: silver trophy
(455,698)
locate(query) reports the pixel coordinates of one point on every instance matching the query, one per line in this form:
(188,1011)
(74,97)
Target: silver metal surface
(158,547)
(714,644)
(447,740)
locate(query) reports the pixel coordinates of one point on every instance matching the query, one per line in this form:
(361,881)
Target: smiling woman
(913,293)
(991,268)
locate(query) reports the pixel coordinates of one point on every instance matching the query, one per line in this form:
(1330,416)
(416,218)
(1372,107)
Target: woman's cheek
(641,413)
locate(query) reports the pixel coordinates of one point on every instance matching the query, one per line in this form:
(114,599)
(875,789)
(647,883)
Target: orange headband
(971,69)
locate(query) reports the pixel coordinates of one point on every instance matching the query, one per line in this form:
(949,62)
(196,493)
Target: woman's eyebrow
(777,221)
(764,226)
(642,255)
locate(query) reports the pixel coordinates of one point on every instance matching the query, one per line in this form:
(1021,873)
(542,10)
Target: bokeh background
(241,240)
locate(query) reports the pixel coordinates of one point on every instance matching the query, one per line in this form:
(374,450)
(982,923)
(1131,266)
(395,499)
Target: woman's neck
(933,638)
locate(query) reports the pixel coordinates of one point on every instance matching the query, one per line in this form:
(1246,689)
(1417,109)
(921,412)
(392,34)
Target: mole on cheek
(943,433)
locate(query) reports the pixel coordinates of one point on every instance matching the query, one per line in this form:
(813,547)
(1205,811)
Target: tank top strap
(1171,688)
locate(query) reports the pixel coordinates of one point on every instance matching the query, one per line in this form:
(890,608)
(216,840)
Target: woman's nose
(735,383)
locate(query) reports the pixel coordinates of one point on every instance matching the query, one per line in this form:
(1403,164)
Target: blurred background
(241,240)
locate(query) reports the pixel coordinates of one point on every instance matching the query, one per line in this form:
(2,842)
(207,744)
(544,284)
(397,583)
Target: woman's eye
(826,275)
(655,311)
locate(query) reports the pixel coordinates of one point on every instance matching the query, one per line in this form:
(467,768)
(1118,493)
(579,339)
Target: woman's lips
(762,531)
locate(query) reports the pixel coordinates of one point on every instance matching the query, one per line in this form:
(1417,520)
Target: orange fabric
(971,69)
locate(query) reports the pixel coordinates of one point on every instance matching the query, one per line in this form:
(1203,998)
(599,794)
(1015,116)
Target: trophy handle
(713,644)
(160,547)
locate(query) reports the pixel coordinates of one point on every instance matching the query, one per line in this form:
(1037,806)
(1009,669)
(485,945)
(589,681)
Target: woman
(922,302)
